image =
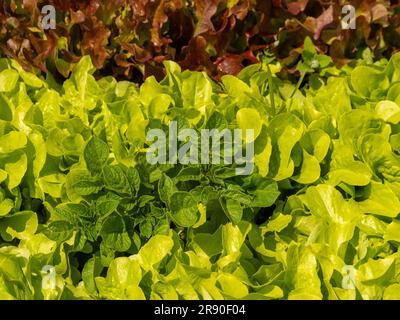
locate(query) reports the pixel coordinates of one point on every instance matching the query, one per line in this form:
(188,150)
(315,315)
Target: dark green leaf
(59,231)
(184,209)
(96,155)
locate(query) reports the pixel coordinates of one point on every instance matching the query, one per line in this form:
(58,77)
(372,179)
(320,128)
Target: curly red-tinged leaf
(316,25)
(45,48)
(153,69)
(140,55)
(241,10)
(122,61)
(69,57)
(94,42)
(380,14)
(230,64)
(77,17)
(196,56)
(205,10)
(337,50)
(181,28)
(123,36)
(249,55)
(30,5)
(296,7)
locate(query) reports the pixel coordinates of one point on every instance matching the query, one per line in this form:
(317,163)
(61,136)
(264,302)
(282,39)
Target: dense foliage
(129,39)
(77,193)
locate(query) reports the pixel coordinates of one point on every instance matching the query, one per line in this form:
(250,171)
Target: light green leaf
(285,131)
(12,141)
(302,273)
(333,99)
(316,142)
(52,184)
(235,87)
(393,231)
(15,166)
(155,250)
(309,170)
(381,200)
(388,111)
(392,292)
(365,80)
(279,223)
(8,80)
(263,150)
(231,286)
(196,91)
(249,119)
(6,206)
(20,225)
(3,175)
(376,271)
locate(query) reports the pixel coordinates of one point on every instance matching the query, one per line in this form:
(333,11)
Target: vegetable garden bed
(316,218)
(199,152)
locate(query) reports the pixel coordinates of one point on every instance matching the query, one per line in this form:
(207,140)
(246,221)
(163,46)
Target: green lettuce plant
(316,218)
